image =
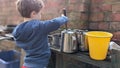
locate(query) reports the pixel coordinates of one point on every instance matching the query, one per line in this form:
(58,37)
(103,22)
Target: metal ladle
(65,13)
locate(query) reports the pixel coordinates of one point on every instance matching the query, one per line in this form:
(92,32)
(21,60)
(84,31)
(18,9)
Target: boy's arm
(54,24)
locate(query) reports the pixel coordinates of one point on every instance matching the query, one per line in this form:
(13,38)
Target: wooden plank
(22,57)
(59,61)
(84,58)
(72,63)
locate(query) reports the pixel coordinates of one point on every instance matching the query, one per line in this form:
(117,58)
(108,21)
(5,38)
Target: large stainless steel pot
(82,40)
(69,41)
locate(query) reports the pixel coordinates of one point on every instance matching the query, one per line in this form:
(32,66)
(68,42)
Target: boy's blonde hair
(25,7)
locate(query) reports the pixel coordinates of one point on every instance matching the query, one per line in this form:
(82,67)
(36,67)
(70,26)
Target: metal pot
(69,41)
(10,28)
(55,40)
(82,40)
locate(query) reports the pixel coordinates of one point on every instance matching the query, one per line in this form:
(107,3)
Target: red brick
(77,1)
(107,16)
(77,25)
(71,7)
(95,8)
(52,4)
(111,1)
(97,16)
(83,17)
(93,26)
(115,26)
(103,26)
(77,8)
(116,7)
(96,1)
(84,1)
(116,17)
(106,7)
(72,1)
(74,16)
(82,8)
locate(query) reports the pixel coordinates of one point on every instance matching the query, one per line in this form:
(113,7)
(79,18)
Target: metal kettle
(69,41)
(82,40)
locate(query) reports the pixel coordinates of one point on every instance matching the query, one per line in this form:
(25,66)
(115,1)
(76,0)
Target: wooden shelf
(81,57)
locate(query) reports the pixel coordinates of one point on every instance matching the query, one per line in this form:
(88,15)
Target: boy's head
(26,7)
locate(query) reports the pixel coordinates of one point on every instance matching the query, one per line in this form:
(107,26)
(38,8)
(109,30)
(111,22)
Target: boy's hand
(62,15)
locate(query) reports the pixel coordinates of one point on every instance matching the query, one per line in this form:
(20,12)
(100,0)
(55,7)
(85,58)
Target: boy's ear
(33,14)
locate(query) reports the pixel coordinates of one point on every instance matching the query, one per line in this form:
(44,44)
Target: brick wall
(8,13)
(76,11)
(105,15)
(83,14)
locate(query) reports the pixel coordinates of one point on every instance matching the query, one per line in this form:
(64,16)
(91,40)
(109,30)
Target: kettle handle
(62,42)
(74,41)
(51,39)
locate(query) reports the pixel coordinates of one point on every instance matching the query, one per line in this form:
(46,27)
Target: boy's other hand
(62,15)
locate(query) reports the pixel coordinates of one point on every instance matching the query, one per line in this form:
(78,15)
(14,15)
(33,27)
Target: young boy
(31,35)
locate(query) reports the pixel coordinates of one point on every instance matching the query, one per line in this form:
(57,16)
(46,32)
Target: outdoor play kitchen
(90,39)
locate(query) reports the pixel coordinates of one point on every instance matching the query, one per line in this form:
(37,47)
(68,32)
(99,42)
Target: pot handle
(74,43)
(50,39)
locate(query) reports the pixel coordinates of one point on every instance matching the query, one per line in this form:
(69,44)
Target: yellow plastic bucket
(98,42)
